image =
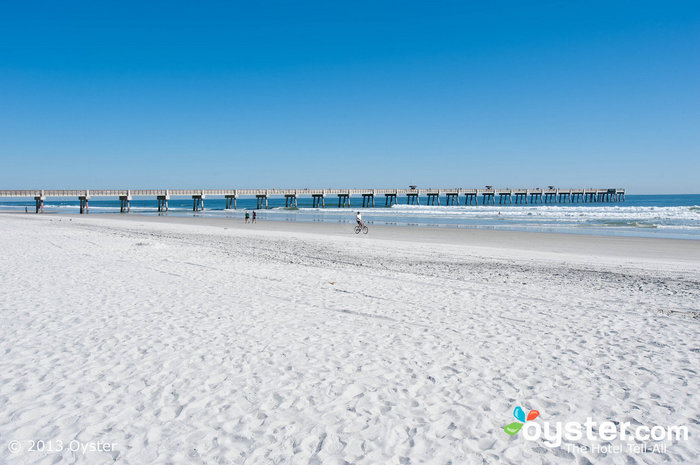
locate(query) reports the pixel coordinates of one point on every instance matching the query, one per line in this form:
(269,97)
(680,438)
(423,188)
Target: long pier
(412,196)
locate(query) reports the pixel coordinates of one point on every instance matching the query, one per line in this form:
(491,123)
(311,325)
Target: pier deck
(411,195)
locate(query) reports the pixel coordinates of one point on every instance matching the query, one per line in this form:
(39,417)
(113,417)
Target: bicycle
(362,228)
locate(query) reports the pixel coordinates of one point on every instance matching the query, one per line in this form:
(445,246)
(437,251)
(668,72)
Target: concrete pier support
(433,198)
(262,201)
(319,200)
(344,200)
(163,202)
(84,208)
(470,199)
(39,200)
(452,198)
(488,198)
(125,203)
(520,198)
(198,202)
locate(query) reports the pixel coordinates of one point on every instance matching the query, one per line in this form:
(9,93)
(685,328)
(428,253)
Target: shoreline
(672,220)
(492,241)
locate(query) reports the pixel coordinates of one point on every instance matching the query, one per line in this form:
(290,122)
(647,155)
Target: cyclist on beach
(358,217)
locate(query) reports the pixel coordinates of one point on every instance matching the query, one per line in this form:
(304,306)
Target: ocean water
(671,216)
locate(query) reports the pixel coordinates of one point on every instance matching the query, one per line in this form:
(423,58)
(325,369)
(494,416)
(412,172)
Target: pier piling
(488,198)
(125,203)
(39,200)
(319,200)
(290,200)
(198,202)
(470,198)
(452,198)
(433,198)
(261,201)
(163,202)
(84,208)
(412,198)
(344,200)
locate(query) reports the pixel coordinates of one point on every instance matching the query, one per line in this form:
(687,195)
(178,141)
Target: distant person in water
(247,217)
(254,216)
(358,217)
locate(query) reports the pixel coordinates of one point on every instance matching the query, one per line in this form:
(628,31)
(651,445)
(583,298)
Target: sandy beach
(204,340)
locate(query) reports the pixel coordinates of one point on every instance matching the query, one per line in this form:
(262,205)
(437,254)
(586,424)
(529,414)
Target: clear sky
(120,94)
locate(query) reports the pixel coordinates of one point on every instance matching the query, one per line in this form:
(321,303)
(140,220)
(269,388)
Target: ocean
(670,216)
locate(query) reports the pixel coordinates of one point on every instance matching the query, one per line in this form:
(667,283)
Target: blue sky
(361,94)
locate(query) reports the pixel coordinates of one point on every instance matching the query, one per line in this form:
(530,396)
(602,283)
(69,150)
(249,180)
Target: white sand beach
(207,341)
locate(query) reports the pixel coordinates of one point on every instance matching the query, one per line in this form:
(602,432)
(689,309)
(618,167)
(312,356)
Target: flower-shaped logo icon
(519,415)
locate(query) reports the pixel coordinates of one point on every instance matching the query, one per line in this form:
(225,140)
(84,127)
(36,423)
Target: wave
(604,219)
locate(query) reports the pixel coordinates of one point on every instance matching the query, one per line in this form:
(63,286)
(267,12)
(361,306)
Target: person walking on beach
(254,216)
(247,217)
(358,217)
